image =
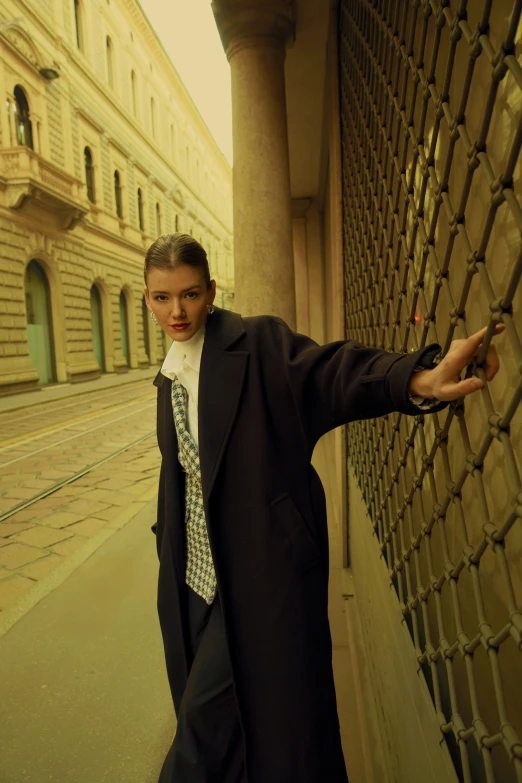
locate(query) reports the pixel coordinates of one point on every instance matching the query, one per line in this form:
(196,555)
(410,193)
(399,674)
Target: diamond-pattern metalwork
(431,102)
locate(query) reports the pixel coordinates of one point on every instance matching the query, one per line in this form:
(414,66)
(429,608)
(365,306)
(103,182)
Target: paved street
(74,469)
(86,698)
(58,440)
(83,694)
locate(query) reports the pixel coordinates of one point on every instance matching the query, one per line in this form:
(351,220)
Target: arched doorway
(124,328)
(97,327)
(146,333)
(39,329)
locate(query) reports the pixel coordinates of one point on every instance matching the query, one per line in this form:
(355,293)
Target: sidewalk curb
(9,617)
(73,390)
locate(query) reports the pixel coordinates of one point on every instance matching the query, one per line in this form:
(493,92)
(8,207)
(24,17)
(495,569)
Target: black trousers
(208,746)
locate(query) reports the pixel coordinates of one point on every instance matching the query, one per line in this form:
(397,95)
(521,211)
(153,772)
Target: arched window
(153,117)
(110,69)
(79,24)
(158,219)
(23,125)
(176,223)
(89,175)
(134,94)
(141,221)
(117,195)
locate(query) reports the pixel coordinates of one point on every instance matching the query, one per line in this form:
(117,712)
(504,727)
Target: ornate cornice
(20,40)
(238,20)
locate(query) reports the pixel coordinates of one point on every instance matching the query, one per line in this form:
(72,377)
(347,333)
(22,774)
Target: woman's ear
(212,292)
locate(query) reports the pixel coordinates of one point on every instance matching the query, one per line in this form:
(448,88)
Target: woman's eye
(192,294)
(160,298)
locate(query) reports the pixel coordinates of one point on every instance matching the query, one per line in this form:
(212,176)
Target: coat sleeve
(344,381)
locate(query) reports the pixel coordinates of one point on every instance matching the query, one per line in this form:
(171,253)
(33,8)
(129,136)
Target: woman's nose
(177,310)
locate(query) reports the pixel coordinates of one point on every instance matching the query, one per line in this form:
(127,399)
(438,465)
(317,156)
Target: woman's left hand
(443,382)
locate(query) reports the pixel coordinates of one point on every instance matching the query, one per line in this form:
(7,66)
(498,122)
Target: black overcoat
(266,395)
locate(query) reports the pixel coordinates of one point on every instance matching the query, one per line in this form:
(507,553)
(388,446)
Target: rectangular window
(134,94)
(78,23)
(110,64)
(117,195)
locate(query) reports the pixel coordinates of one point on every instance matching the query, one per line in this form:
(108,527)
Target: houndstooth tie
(199,566)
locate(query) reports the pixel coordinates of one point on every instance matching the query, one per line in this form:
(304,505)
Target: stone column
(254,34)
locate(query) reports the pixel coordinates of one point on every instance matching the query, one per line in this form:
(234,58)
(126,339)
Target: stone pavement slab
(42,537)
(40,569)
(16,555)
(86,697)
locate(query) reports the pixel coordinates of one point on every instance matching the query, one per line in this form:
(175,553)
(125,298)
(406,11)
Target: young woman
(241,527)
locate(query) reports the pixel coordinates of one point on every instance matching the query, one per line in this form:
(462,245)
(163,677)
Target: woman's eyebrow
(184,291)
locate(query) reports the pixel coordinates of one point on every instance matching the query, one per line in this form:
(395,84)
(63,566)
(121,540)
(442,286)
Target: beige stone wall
(143,124)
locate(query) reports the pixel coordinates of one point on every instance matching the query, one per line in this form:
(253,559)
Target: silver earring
(210,309)
(153,317)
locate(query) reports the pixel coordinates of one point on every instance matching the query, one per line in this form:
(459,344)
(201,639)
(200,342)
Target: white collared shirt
(184,360)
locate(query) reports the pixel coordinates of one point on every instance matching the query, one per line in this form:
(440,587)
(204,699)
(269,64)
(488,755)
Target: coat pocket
(303,548)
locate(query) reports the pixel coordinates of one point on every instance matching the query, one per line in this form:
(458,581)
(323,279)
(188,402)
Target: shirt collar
(182,354)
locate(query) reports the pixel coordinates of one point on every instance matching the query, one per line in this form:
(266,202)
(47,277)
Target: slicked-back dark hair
(172,250)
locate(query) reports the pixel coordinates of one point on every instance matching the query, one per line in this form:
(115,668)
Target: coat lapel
(173,473)
(221,379)
(167,438)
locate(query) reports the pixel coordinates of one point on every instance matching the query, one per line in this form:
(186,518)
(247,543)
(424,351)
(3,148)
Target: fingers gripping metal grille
(431,103)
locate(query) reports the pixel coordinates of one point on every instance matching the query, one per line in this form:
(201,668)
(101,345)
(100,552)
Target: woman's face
(179,299)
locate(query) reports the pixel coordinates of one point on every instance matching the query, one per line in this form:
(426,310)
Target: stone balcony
(35,185)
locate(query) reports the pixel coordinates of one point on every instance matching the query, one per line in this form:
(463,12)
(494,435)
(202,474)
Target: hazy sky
(189,34)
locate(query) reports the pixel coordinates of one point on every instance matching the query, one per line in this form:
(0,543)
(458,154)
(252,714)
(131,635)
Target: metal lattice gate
(431,102)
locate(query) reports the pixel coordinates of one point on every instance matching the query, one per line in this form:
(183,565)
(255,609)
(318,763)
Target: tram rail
(81,434)
(18,439)
(74,477)
(52,406)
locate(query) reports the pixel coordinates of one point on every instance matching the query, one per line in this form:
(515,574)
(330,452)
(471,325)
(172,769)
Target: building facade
(101,150)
